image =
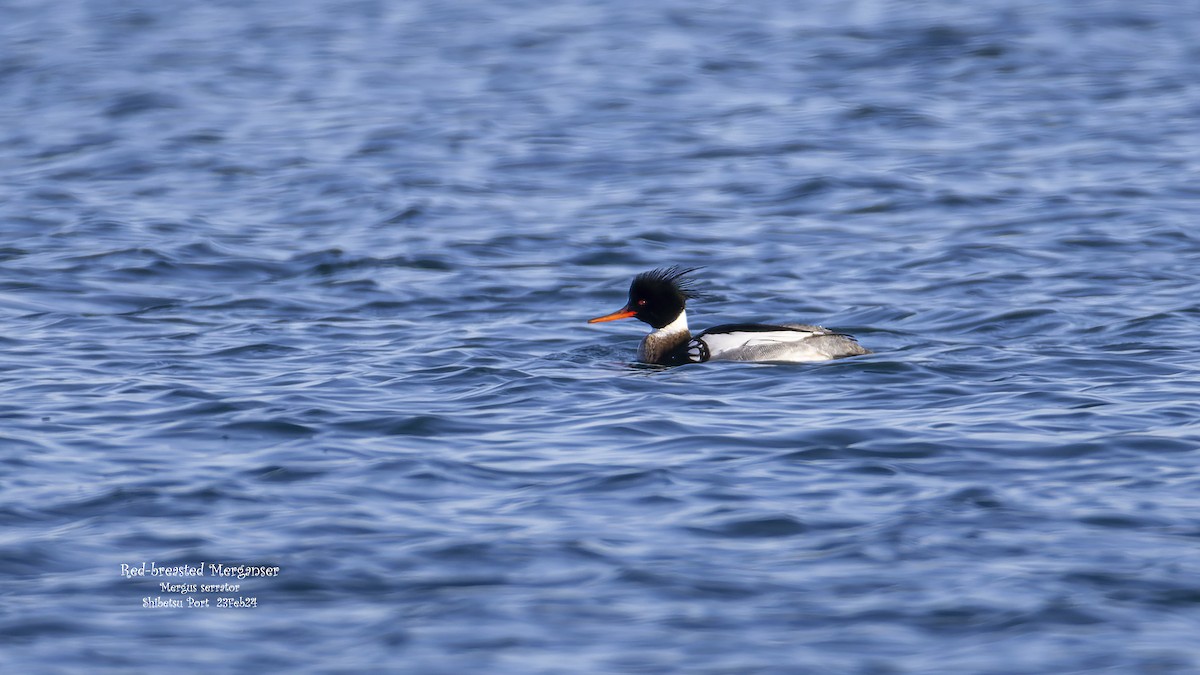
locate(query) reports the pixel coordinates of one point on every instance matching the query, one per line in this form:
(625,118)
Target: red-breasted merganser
(658,298)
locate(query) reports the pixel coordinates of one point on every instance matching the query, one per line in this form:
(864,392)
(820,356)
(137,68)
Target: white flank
(811,343)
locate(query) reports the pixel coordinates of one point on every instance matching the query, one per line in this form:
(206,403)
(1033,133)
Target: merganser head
(656,297)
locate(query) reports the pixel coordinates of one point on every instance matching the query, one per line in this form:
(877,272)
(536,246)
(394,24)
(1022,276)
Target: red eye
(641,303)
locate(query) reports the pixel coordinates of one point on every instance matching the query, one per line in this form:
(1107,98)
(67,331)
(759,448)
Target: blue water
(303,284)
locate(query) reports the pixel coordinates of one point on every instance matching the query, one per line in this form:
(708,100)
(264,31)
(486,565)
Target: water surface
(304,284)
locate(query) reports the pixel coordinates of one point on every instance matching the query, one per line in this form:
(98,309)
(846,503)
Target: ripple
(308,284)
(769,527)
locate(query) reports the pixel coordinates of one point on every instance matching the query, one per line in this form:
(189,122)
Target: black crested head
(658,296)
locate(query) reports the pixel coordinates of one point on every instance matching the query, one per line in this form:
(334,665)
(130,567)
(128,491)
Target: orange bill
(623,313)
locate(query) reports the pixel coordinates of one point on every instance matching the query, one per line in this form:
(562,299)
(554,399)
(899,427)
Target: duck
(659,298)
